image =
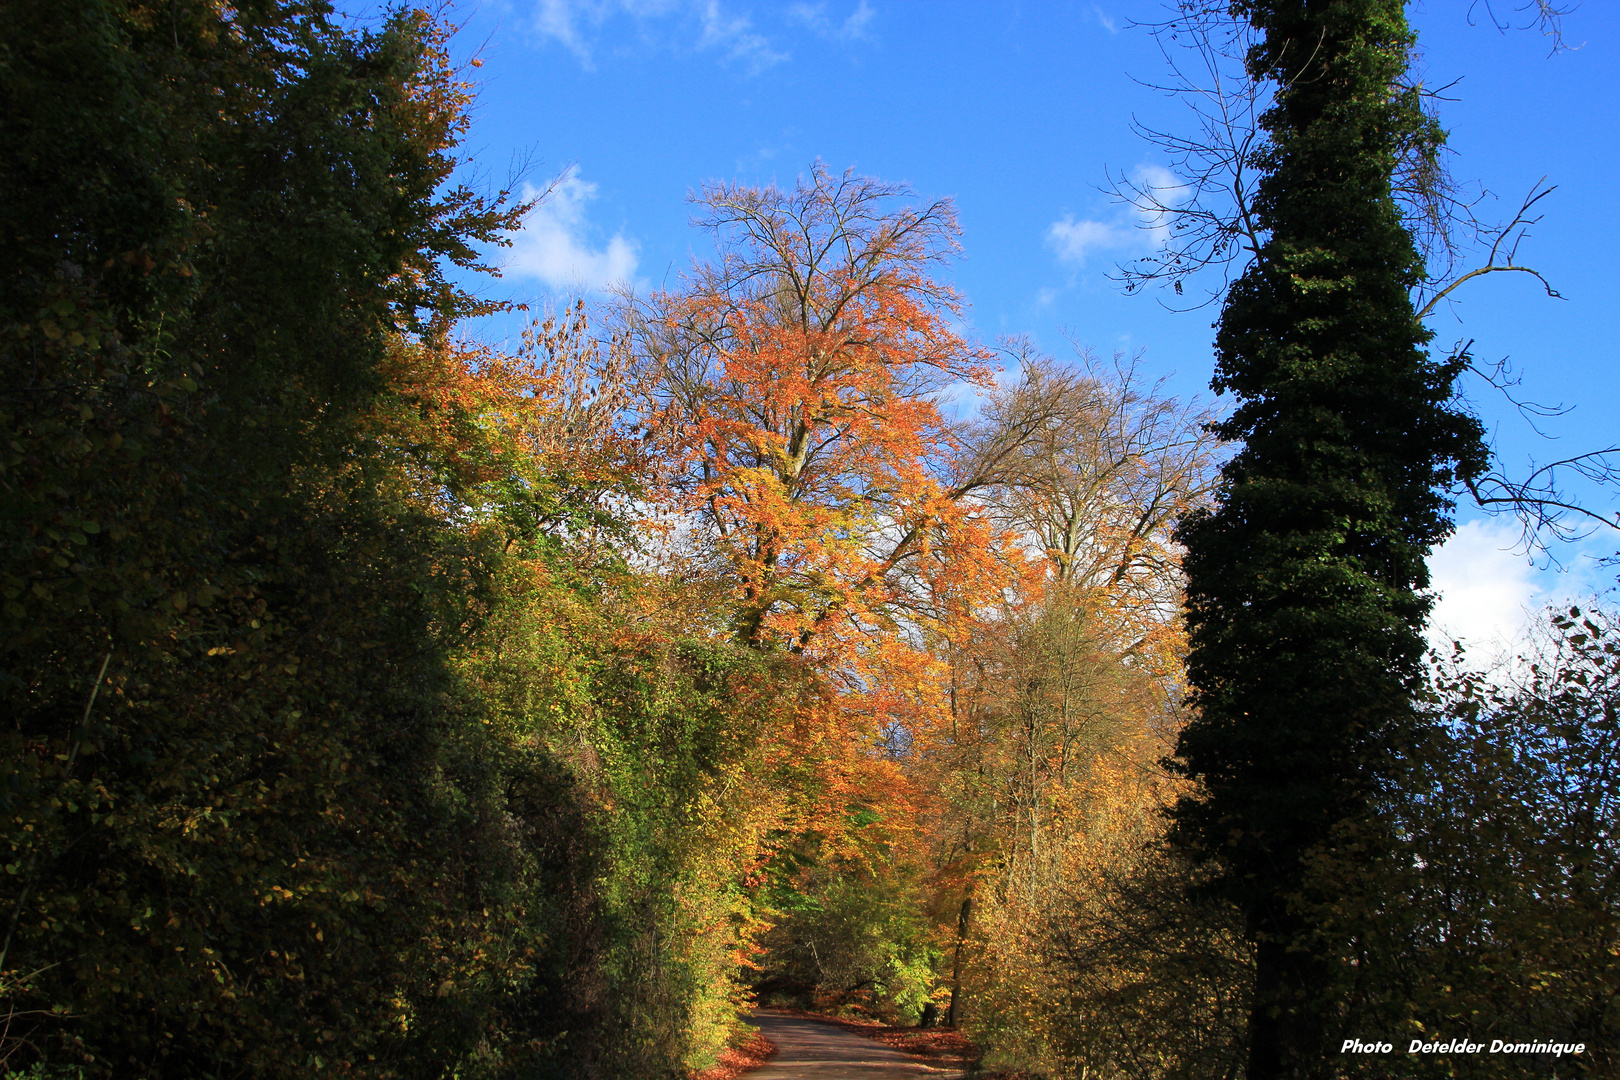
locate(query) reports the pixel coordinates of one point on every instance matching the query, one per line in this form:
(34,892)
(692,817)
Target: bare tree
(1095,469)
(1208,217)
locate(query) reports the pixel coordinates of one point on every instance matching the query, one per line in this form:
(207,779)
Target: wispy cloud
(851,28)
(1105,20)
(736,37)
(1075,240)
(559,20)
(1130,228)
(554,245)
(764,154)
(1164,190)
(698,24)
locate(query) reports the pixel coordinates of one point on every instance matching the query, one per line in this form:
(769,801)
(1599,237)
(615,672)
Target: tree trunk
(956,964)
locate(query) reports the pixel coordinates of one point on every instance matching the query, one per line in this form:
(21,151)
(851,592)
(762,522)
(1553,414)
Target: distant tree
(1305,597)
(1095,469)
(1062,690)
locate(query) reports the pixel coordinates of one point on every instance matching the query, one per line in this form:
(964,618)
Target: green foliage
(1495,913)
(657,741)
(850,934)
(342,734)
(302,769)
(231,826)
(1305,585)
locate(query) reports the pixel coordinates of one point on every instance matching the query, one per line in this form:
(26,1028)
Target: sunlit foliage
(378,702)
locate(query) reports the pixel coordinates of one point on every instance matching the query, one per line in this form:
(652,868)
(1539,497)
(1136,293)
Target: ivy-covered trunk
(1307,584)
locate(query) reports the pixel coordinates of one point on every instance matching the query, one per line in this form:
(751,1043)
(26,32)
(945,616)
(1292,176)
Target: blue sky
(1018,111)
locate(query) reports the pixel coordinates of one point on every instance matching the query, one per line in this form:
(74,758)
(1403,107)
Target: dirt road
(807,1050)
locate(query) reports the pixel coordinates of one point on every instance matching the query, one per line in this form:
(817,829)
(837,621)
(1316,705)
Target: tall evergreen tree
(1307,583)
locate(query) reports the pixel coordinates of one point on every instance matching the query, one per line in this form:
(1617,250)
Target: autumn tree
(795,388)
(1306,583)
(794,396)
(341,731)
(1063,691)
(1094,469)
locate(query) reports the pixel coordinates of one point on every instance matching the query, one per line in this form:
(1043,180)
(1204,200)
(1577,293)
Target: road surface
(808,1050)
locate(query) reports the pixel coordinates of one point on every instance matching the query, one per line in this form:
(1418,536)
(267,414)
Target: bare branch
(1205,218)
(1504,248)
(1501,378)
(1094,469)
(1543,15)
(1539,503)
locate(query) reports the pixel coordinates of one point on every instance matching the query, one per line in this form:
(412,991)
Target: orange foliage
(793,393)
(753,1053)
(556,401)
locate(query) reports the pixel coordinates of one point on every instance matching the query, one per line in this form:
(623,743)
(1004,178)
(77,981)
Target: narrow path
(807,1050)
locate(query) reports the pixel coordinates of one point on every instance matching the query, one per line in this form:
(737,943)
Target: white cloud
(1105,20)
(1162,190)
(559,20)
(815,16)
(761,157)
(1492,598)
(554,243)
(575,24)
(1487,593)
(1132,228)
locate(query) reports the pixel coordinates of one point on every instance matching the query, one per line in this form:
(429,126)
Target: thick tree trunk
(1285,1032)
